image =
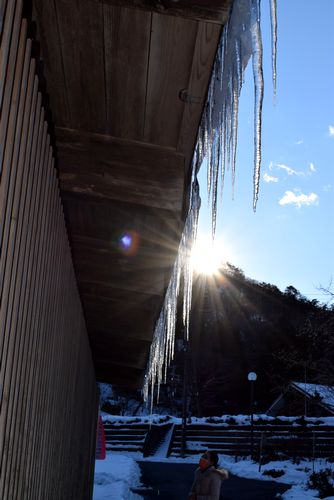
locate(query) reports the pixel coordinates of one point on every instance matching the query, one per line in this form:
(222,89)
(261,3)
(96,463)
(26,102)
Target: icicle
(217,142)
(259,89)
(273,18)
(162,347)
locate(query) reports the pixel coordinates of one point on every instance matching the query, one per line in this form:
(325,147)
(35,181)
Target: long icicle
(257,51)
(273,19)
(217,141)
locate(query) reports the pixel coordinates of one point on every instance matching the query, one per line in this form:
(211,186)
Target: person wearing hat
(208,478)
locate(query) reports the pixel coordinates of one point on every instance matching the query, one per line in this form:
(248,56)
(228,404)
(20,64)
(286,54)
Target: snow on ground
(225,420)
(115,476)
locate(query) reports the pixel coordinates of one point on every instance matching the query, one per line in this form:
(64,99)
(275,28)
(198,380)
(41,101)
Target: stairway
(125,437)
(288,440)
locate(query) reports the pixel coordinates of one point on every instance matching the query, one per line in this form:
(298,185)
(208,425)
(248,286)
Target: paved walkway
(165,481)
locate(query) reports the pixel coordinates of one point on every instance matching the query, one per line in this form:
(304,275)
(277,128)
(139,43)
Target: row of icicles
(217,142)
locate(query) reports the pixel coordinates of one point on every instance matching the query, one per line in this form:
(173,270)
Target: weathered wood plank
(171,50)
(34,242)
(153,281)
(45,16)
(16,247)
(99,226)
(96,331)
(120,298)
(11,88)
(126,40)
(7,185)
(123,152)
(119,317)
(80,25)
(201,10)
(32,331)
(28,209)
(205,49)
(44,344)
(9,39)
(40,252)
(43,273)
(110,185)
(121,376)
(103,167)
(3,5)
(50,342)
(6,199)
(137,352)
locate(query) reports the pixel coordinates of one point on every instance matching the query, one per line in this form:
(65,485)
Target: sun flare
(207,256)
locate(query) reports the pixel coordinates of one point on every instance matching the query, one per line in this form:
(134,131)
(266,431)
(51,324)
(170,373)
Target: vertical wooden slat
(41,264)
(8,341)
(3,4)
(8,52)
(22,403)
(7,139)
(47,380)
(29,210)
(9,40)
(15,248)
(45,342)
(39,292)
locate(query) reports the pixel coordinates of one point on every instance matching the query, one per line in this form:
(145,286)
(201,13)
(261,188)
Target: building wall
(48,390)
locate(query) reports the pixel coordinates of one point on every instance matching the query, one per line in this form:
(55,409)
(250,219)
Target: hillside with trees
(240,325)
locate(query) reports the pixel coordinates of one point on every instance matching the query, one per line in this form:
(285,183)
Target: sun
(207,256)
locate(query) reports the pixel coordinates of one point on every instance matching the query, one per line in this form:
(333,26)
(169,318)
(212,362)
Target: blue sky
(290,238)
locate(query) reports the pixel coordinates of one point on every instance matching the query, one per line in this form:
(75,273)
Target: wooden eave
(127,81)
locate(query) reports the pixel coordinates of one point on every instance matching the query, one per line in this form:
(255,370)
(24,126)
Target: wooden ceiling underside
(126,81)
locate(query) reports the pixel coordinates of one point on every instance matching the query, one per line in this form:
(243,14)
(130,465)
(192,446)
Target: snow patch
(115,477)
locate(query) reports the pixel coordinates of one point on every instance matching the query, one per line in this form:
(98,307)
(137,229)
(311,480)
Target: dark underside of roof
(126,82)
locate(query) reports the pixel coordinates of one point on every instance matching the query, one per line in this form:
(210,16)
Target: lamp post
(184,400)
(252,378)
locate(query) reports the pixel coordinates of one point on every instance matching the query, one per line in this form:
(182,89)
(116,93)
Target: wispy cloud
(289,170)
(331,130)
(301,141)
(327,188)
(269,178)
(299,199)
(312,167)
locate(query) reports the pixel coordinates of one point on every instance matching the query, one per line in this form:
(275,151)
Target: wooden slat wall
(48,392)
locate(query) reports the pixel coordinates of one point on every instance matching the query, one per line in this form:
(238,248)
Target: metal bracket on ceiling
(184,96)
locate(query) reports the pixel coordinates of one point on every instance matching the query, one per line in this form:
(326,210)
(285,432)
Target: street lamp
(252,378)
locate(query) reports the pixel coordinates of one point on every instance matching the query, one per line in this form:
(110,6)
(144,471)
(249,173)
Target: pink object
(100,453)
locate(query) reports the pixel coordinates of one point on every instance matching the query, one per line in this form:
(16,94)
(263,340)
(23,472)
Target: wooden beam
(101,166)
(126,35)
(104,321)
(95,331)
(47,22)
(212,11)
(122,350)
(119,375)
(153,282)
(171,52)
(205,50)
